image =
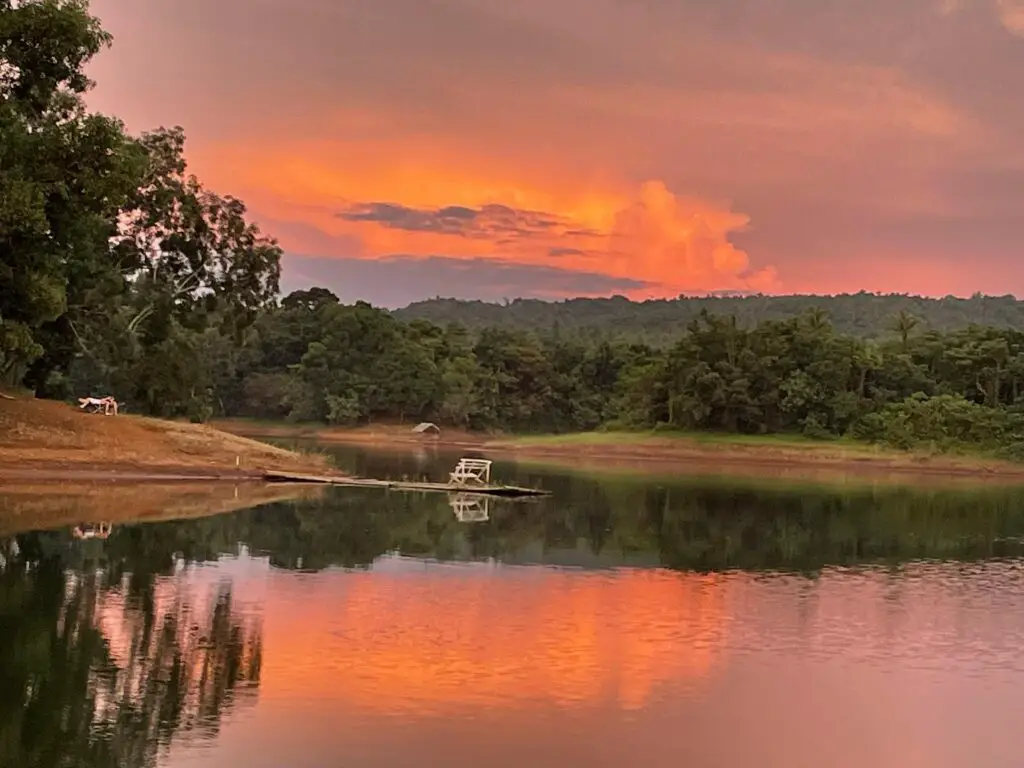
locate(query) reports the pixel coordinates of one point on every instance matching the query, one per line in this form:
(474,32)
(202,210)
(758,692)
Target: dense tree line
(662,321)
(310,358)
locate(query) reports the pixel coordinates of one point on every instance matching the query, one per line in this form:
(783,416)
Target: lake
(626,620)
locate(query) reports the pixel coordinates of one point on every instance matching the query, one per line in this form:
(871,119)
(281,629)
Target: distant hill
(862,314)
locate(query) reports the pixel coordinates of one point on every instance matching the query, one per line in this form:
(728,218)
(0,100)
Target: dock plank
(510,491)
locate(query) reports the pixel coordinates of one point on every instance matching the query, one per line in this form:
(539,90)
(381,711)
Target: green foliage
(114,262)
(64,173)
(943,422)
(661,322)
(343,409)
(318,360)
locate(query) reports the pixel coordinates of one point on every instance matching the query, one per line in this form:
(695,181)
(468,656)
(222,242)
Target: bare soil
(41,439)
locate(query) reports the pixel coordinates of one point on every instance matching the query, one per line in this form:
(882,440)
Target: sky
(495,149)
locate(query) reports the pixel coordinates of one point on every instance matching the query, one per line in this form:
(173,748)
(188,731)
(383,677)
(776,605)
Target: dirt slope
(46,435)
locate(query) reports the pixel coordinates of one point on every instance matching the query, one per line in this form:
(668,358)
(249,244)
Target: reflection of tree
(695,526)
(95,672)
(180,662)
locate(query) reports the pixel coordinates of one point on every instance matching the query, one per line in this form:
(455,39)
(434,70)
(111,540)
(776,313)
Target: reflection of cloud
(190,633)
(399,280)
(435,643)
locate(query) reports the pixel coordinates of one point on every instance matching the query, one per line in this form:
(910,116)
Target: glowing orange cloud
(372,202)
(435,643)
(1011,13)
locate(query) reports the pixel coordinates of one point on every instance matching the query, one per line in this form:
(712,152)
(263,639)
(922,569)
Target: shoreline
(61,472)
(710,454)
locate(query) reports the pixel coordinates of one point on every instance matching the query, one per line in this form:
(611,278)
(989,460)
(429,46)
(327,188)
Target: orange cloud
(1011,13)
(423,201)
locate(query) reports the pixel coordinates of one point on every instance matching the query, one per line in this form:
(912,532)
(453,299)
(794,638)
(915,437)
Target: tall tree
(904,324)
(64,172)
(187,251)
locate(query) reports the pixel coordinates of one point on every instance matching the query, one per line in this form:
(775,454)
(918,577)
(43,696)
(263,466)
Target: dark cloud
(457,212)
(556,252)
(490,222)
(398,280)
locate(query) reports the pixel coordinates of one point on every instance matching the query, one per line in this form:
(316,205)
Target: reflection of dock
(471,476)
(510,491)
(470,508)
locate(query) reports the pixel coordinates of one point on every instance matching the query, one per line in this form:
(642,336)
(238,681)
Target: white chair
(471,472)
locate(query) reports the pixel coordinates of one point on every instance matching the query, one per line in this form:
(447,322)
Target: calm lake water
(623,622)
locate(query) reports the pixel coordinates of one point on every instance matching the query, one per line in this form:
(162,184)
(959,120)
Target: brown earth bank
(45,439)
(703,454)
(28,505)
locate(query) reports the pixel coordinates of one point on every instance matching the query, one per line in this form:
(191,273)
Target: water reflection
(92,530)
(449,643)
(104,663)
(470,508)
(685,622)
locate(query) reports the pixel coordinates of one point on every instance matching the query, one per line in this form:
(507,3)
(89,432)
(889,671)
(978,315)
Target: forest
(122,274)
(661,322)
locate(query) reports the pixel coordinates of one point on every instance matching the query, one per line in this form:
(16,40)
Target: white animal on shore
(108,404)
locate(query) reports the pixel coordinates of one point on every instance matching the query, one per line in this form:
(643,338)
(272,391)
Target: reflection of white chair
(471,472)
(469,509)
(90,531)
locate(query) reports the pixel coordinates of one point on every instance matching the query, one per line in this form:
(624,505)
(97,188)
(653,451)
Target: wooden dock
(507,491)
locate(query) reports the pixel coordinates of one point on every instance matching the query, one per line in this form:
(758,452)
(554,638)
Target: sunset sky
(401,149)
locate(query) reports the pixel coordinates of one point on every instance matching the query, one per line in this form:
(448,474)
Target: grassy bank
(710,453)
(781,457)
(50,438)
(789,450)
